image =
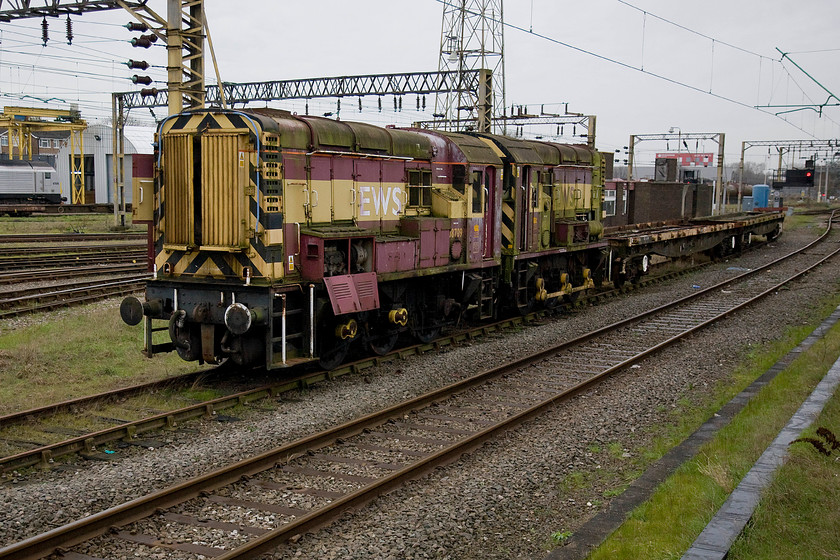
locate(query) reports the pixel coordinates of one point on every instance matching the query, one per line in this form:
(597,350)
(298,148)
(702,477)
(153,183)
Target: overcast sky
(261,40)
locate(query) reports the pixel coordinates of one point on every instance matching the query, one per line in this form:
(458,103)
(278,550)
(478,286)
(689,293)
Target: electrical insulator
(380,104)
(139,64)
(134,26)
(142,41)
(360,104)
(148,92)
(69,31)
(145,80)
(45,31)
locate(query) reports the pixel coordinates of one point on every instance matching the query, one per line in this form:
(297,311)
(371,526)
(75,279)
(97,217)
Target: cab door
(490,212)
(343,189)
(524,206)
(320,189)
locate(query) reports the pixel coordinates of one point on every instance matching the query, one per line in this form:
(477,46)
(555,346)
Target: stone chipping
(504,500)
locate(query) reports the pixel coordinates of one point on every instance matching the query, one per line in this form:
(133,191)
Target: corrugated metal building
(99,176)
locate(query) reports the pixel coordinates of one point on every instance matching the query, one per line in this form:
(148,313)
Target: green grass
(668,523)
(73,355)
(798,516)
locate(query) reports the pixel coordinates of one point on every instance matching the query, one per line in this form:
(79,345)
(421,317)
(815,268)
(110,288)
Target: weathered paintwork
(282,238)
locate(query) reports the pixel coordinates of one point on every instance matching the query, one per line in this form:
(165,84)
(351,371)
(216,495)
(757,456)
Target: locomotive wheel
(425,324)
(334,355)
(382,337)
(383,344)
(427,334)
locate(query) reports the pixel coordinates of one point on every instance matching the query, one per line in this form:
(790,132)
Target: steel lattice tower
(472,38)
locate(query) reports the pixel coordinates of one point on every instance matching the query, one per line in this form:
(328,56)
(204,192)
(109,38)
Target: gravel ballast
(504,500)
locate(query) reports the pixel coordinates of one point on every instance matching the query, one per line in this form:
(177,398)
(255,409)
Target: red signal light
(807,173)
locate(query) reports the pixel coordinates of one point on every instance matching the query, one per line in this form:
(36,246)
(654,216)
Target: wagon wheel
(572,297)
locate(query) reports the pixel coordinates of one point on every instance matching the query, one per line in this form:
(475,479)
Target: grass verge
(83,351)
(681,507)
(798,515)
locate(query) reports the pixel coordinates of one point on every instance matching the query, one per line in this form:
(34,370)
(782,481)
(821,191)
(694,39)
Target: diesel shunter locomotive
(281,239)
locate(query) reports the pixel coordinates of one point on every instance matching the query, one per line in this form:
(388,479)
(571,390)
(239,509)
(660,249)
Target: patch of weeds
(831,443)
(594,448)
(616,449)
(560,537)
(615,492)
(108,371)
(575,480)
(717,471)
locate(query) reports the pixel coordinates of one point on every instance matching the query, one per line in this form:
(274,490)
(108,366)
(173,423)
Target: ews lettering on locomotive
(382,201)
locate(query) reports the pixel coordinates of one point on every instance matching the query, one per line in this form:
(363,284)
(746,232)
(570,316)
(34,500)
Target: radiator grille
(178,189)
(222,198)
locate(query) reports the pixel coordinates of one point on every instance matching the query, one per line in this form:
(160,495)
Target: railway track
(32,300)
(307,483)
(37,275)
(114,256)
(9,253)
(71,237)
(44,439)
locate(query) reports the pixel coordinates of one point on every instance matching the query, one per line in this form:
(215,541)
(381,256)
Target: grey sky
(258,40)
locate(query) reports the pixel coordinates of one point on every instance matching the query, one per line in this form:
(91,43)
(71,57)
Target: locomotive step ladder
(290,321)
(486,307)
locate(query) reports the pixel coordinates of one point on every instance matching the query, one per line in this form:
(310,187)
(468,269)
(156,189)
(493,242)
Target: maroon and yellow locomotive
(281,239)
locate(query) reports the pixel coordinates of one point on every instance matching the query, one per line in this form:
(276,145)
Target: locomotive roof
(472,148)
(518,151)
(319,133)
(562,154)
(26,166)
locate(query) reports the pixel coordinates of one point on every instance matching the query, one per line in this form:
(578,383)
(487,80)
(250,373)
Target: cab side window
(420,188)
(459,178)
(477,192)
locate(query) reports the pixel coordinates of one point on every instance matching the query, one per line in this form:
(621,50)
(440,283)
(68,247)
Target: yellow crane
(22,121)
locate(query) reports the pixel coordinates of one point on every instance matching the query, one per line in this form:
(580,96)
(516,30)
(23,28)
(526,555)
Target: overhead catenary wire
(641,69)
